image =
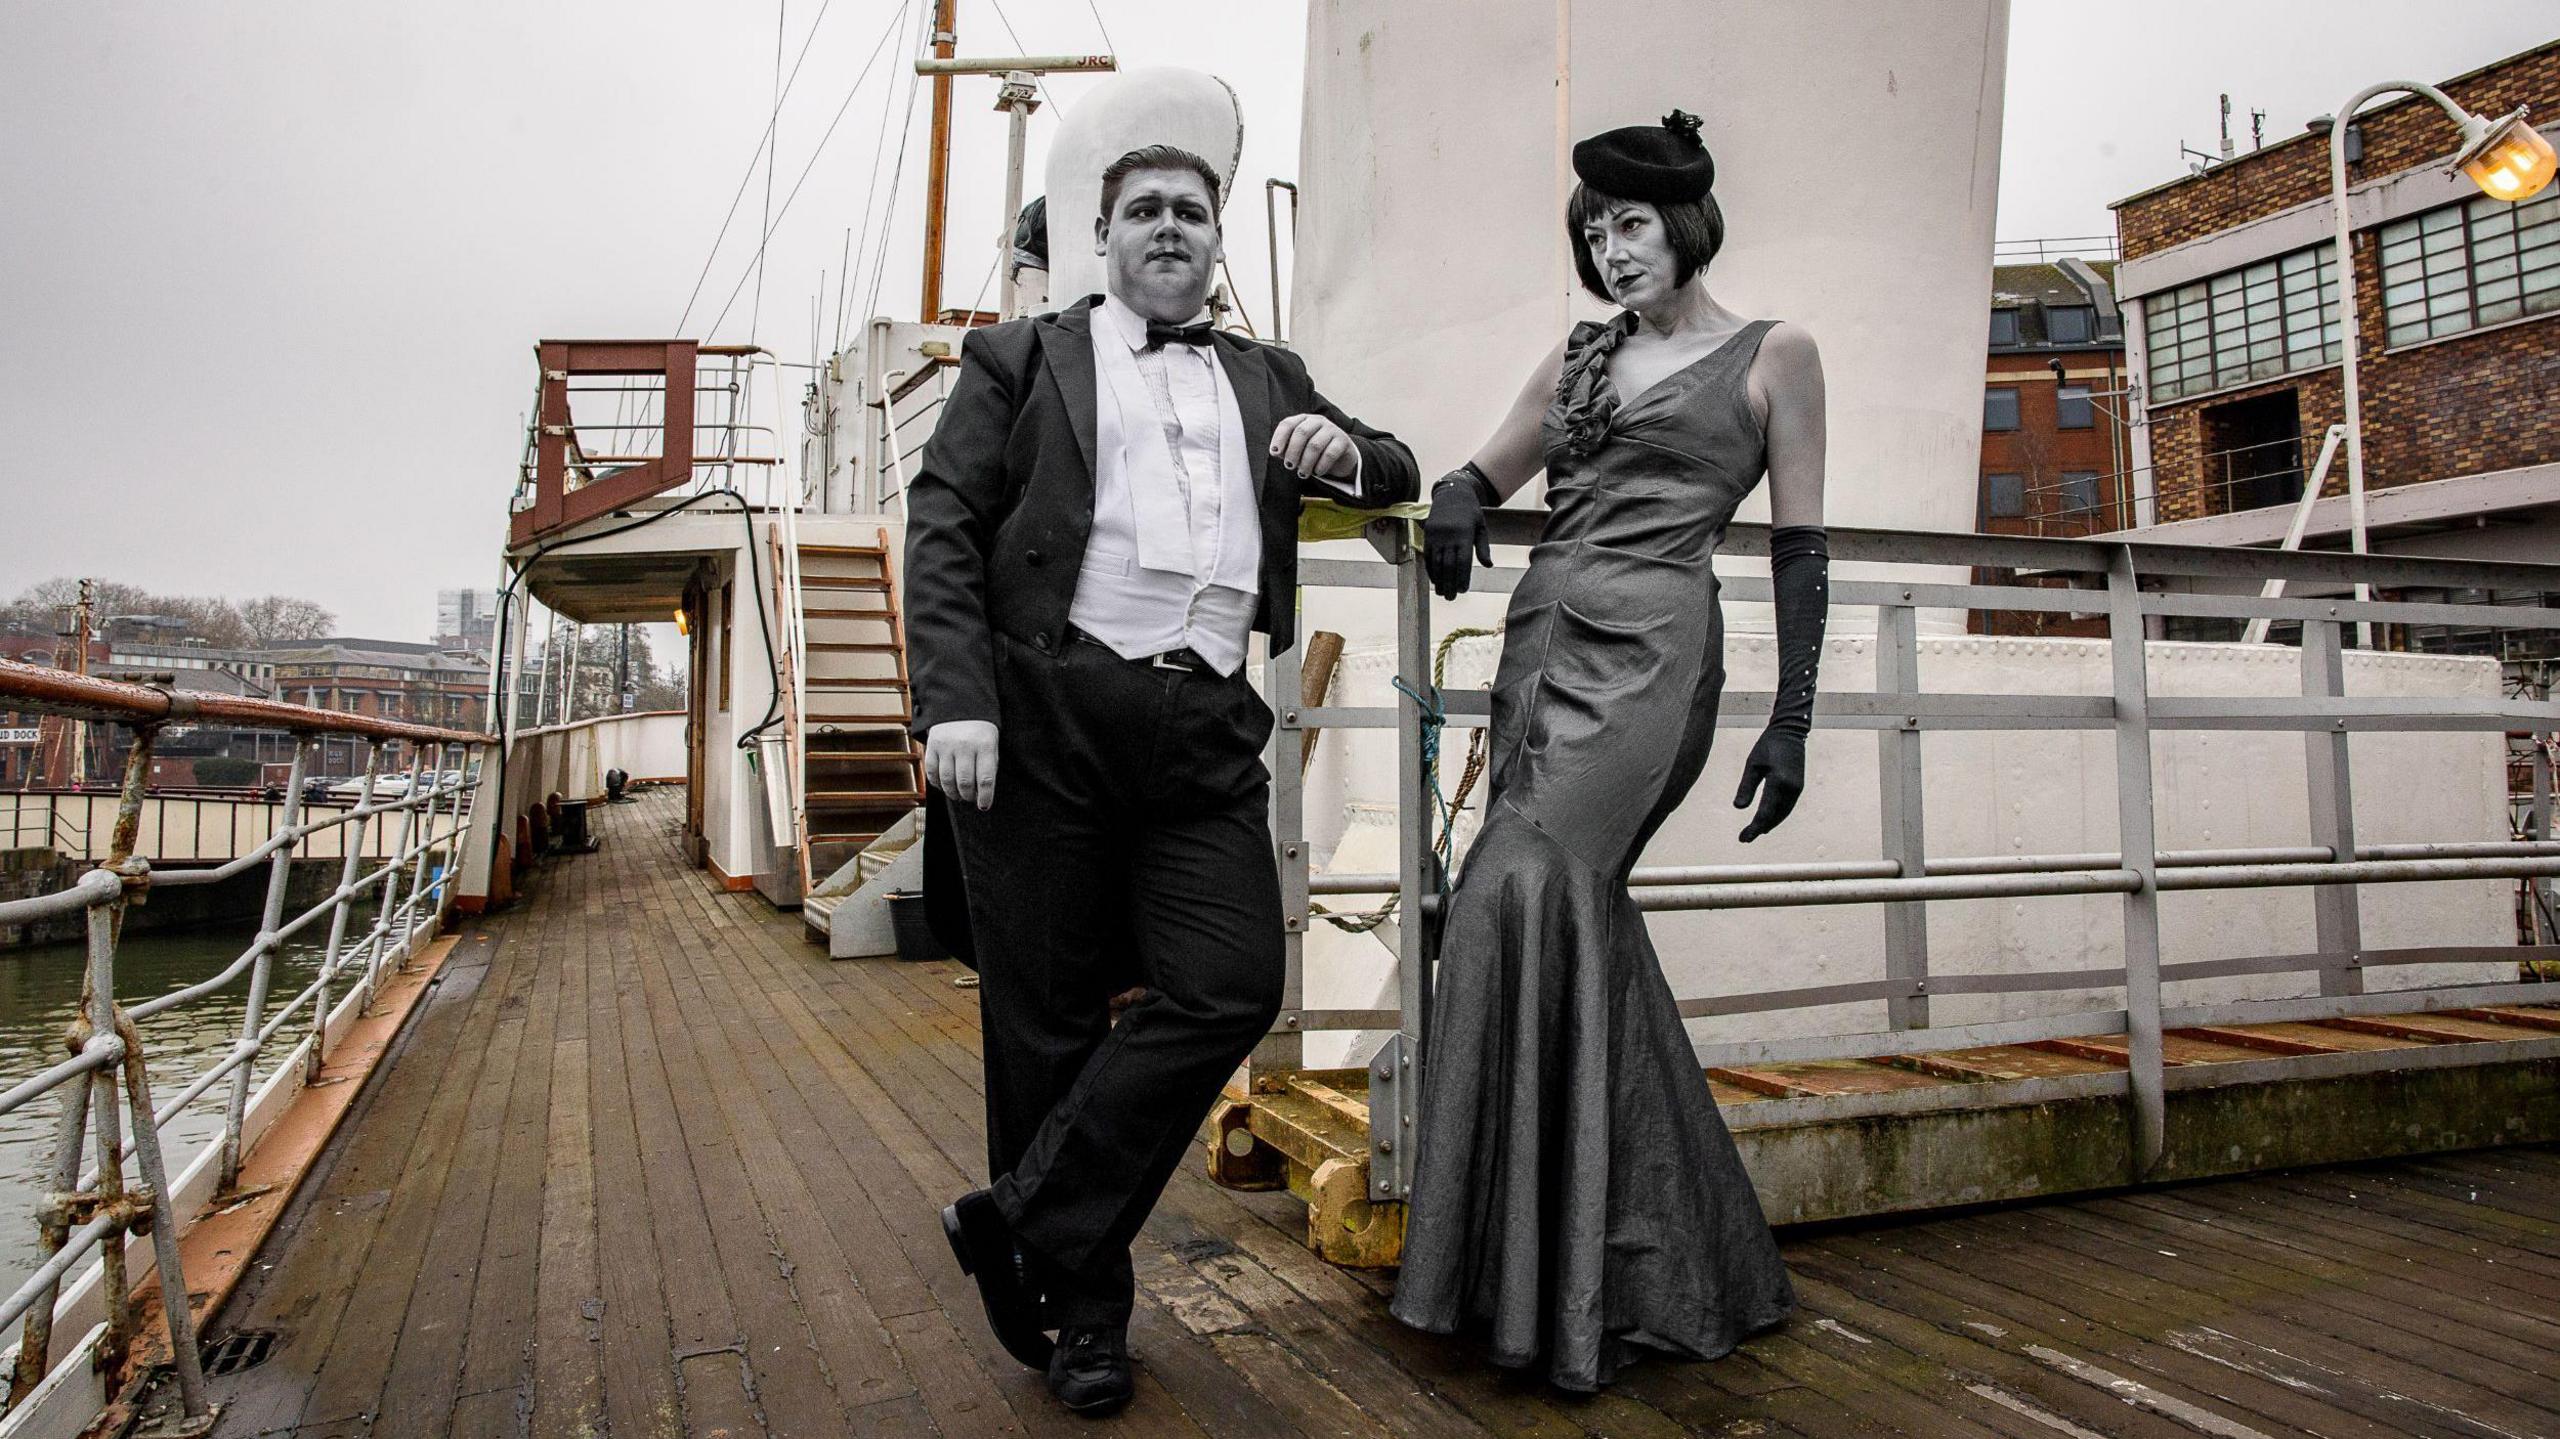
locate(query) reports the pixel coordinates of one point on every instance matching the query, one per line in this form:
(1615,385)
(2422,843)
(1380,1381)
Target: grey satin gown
(1578,1202)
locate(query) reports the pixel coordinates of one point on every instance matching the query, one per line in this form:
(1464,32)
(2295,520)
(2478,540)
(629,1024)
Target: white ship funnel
(1857,156)
(1161,105)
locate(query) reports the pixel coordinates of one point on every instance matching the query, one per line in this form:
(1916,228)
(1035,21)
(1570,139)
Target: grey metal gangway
(2131,584)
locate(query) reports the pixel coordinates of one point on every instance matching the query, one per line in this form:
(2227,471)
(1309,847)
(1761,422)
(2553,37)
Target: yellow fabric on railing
(1320,520)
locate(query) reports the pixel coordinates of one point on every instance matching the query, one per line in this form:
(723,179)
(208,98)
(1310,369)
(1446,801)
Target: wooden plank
(425,1368)
(780,1340)
(319,1244)
(637,1348)
(2013,1308)
(353,1378)
(2257,1039)
(2384,1372)
(497,1348)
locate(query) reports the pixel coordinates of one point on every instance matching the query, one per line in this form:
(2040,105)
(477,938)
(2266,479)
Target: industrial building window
(2004,327)
(2072,410)
(2481,263)
(2079,492)
(2004,496)
(1999,408)
(2267,319)
(2069,324)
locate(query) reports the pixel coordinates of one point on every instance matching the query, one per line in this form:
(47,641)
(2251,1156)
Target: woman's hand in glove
(1456,532)
(1776,769)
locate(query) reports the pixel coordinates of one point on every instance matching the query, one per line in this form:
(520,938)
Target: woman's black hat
(1660,164)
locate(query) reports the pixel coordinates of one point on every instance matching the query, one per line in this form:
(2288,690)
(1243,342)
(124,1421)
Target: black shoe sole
(1030,1350)
(1096,1408)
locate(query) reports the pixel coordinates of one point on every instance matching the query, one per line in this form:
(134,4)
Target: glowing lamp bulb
(2510,160)
(684,625)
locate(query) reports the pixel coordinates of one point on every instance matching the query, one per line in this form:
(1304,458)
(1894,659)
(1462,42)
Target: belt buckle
(1168,660)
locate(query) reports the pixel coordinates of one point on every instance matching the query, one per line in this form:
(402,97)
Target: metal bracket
(1390,1121)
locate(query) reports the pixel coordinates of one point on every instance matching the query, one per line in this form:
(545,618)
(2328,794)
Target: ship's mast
(937,183)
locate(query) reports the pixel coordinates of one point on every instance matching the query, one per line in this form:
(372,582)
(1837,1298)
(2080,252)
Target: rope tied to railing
(1434,721)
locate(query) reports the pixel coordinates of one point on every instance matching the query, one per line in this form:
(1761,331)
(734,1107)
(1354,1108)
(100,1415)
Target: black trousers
(1128,844)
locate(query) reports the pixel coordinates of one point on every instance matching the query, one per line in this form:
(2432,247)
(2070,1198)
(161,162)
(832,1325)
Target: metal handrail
(90,1206)
(2120,581)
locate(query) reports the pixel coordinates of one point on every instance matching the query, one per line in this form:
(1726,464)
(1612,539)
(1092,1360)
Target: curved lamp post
(2505,157)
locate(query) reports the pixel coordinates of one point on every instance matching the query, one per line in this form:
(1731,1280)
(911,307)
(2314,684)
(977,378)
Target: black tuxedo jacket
(998,513)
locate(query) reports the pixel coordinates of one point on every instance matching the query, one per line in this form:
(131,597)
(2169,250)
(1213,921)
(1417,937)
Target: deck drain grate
(245,1349)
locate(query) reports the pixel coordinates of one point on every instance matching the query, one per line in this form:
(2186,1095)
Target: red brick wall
(2041,451)
(2296,171)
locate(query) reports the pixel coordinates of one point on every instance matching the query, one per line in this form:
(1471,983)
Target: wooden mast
(946,40)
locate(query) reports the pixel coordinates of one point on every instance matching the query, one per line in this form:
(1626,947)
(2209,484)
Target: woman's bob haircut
(1694,228)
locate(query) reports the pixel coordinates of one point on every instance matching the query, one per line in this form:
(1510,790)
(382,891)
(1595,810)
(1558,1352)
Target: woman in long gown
(1578,1201)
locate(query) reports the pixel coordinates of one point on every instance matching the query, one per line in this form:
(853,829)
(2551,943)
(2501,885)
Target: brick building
(390,679)
(2054,446)
(2229,296)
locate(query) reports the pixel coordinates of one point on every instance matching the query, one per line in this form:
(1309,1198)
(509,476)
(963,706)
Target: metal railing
(2104,578)
(107,1106)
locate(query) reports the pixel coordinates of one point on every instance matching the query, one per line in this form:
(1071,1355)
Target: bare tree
(282,619)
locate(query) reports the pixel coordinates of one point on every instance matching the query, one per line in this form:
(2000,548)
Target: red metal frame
(555,505)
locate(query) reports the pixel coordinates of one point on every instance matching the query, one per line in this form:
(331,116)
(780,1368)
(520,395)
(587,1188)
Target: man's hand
(1310,444)
(1776,770)
(960,761)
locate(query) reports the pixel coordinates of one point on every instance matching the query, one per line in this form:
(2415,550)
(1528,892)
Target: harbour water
(39,994)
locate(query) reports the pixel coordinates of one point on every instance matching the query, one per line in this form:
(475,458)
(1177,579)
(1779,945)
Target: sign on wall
(26,735)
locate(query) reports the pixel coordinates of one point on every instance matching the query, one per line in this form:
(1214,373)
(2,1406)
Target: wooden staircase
(860,766)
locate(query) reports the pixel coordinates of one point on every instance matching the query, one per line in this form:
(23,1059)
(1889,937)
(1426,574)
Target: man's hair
(1156,157)
(1694,229)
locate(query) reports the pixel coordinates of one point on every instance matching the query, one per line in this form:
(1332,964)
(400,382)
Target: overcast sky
(269,272)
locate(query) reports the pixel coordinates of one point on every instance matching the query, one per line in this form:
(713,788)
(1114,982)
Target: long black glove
(1800,575)
(1456,531)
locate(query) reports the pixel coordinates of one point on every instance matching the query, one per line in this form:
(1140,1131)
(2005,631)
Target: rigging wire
(1098,25)
(880,259)
(871,188)
(755,267)
(1019,48)
(749,176)
(772,150)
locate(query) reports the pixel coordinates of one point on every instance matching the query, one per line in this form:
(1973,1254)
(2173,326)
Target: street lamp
(2505,157)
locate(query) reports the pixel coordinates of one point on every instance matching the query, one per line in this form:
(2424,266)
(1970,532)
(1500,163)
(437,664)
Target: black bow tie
(1161,335)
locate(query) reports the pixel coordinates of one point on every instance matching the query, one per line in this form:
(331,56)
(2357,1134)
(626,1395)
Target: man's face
(1160,244)
(1633,255)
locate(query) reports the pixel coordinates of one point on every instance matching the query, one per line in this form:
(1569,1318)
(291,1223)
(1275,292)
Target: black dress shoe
(984,1244)
(1090,1370)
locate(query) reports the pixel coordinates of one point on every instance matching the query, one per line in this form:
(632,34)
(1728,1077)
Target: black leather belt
(1173,659)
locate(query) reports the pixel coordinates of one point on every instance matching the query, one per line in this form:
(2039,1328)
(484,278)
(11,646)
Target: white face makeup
(1630,248)
(1160,244)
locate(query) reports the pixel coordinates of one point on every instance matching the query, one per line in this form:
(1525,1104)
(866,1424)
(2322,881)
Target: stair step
(865,647)
(856,682)
(844,582)
(886,613)
(842,719)
(866,551)
(852,839)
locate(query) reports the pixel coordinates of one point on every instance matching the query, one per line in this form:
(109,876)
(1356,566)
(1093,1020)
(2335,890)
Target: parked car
(385,787)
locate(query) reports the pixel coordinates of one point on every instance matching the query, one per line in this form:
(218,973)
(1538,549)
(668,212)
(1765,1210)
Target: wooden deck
(648,1163)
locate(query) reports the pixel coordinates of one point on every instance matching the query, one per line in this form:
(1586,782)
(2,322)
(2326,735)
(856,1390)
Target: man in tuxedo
(1106,510)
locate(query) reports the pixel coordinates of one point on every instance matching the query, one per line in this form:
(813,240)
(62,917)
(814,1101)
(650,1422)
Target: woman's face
(1628,247)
